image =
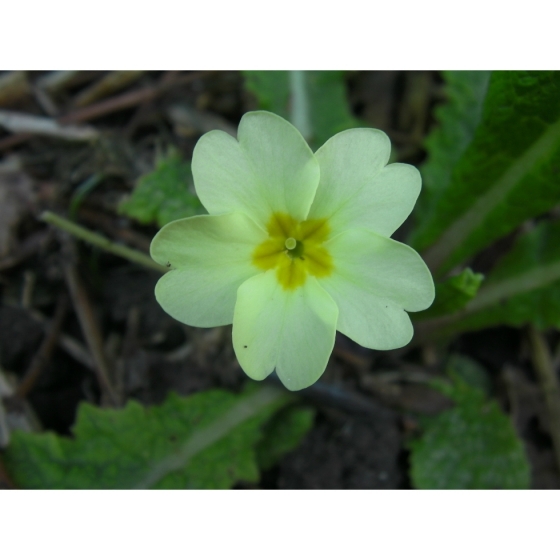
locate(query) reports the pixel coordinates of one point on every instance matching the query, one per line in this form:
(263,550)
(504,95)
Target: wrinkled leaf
(283,433)
(508,173)
(165,194)
(457,120)
(472,446)
(524,287)
(470,371)
(322,95)
(203,441)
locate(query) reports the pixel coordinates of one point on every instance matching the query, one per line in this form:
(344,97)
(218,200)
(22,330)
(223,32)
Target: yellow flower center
(294,249)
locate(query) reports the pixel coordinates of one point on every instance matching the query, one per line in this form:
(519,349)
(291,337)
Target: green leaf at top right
(509,173)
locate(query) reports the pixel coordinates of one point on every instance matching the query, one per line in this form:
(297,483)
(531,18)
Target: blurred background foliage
(99,389)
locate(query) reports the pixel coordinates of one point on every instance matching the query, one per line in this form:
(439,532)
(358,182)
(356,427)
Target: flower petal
(356,190)
(212,257)
(271,169)
(375,280)
(290,330)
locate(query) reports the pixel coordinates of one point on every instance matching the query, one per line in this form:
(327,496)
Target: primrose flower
(295,247)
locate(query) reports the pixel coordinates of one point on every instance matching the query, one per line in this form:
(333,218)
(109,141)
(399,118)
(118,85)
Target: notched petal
(212,256)
(290,331)
(375,281)
(358,190)
(271,169)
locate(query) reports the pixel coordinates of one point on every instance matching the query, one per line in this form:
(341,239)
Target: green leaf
(271,88)
(283,433)
(470,371)
(453,294)
(315,101)
(472,446)
(458,119)
(524,287)
(203,441)
(508,174)
(164,195)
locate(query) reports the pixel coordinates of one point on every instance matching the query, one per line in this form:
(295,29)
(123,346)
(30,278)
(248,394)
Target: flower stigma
(290,243)
(295,249)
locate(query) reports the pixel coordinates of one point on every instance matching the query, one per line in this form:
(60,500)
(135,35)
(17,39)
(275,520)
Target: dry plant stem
(360,362)
(118,103)
(70,345)
(347,401)
(128,100)
(32,124)
(56,81)
(29,279)
(146,107)
(129,344)
(556,357)
(106,85)
(6,482)
(45,351)
(13,86)
(510,377)
(45,101)
(91,331)
(550,387)
(101,242)
(323,394)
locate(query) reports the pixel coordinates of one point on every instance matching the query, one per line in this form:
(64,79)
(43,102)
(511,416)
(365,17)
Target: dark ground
(362,425)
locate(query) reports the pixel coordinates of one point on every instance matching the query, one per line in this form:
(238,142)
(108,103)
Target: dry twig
(56,81)
(129,99)
(13,86)
(106,85)
(6,482)
(550,387)
(90,328)
(113,105)
(31,124)
(45,351)
(70,345)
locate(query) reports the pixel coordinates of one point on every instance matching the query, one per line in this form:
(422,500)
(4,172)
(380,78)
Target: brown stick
(106,85)
(128,100)
(25,123)
(118,103)
(6,482)
(45,351)
(91,331)
(70,345)
(550,387)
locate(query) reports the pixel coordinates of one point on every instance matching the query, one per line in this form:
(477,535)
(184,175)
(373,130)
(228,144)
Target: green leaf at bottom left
(203,441)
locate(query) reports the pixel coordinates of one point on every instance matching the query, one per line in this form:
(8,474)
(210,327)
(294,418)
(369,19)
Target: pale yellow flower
(296,246)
